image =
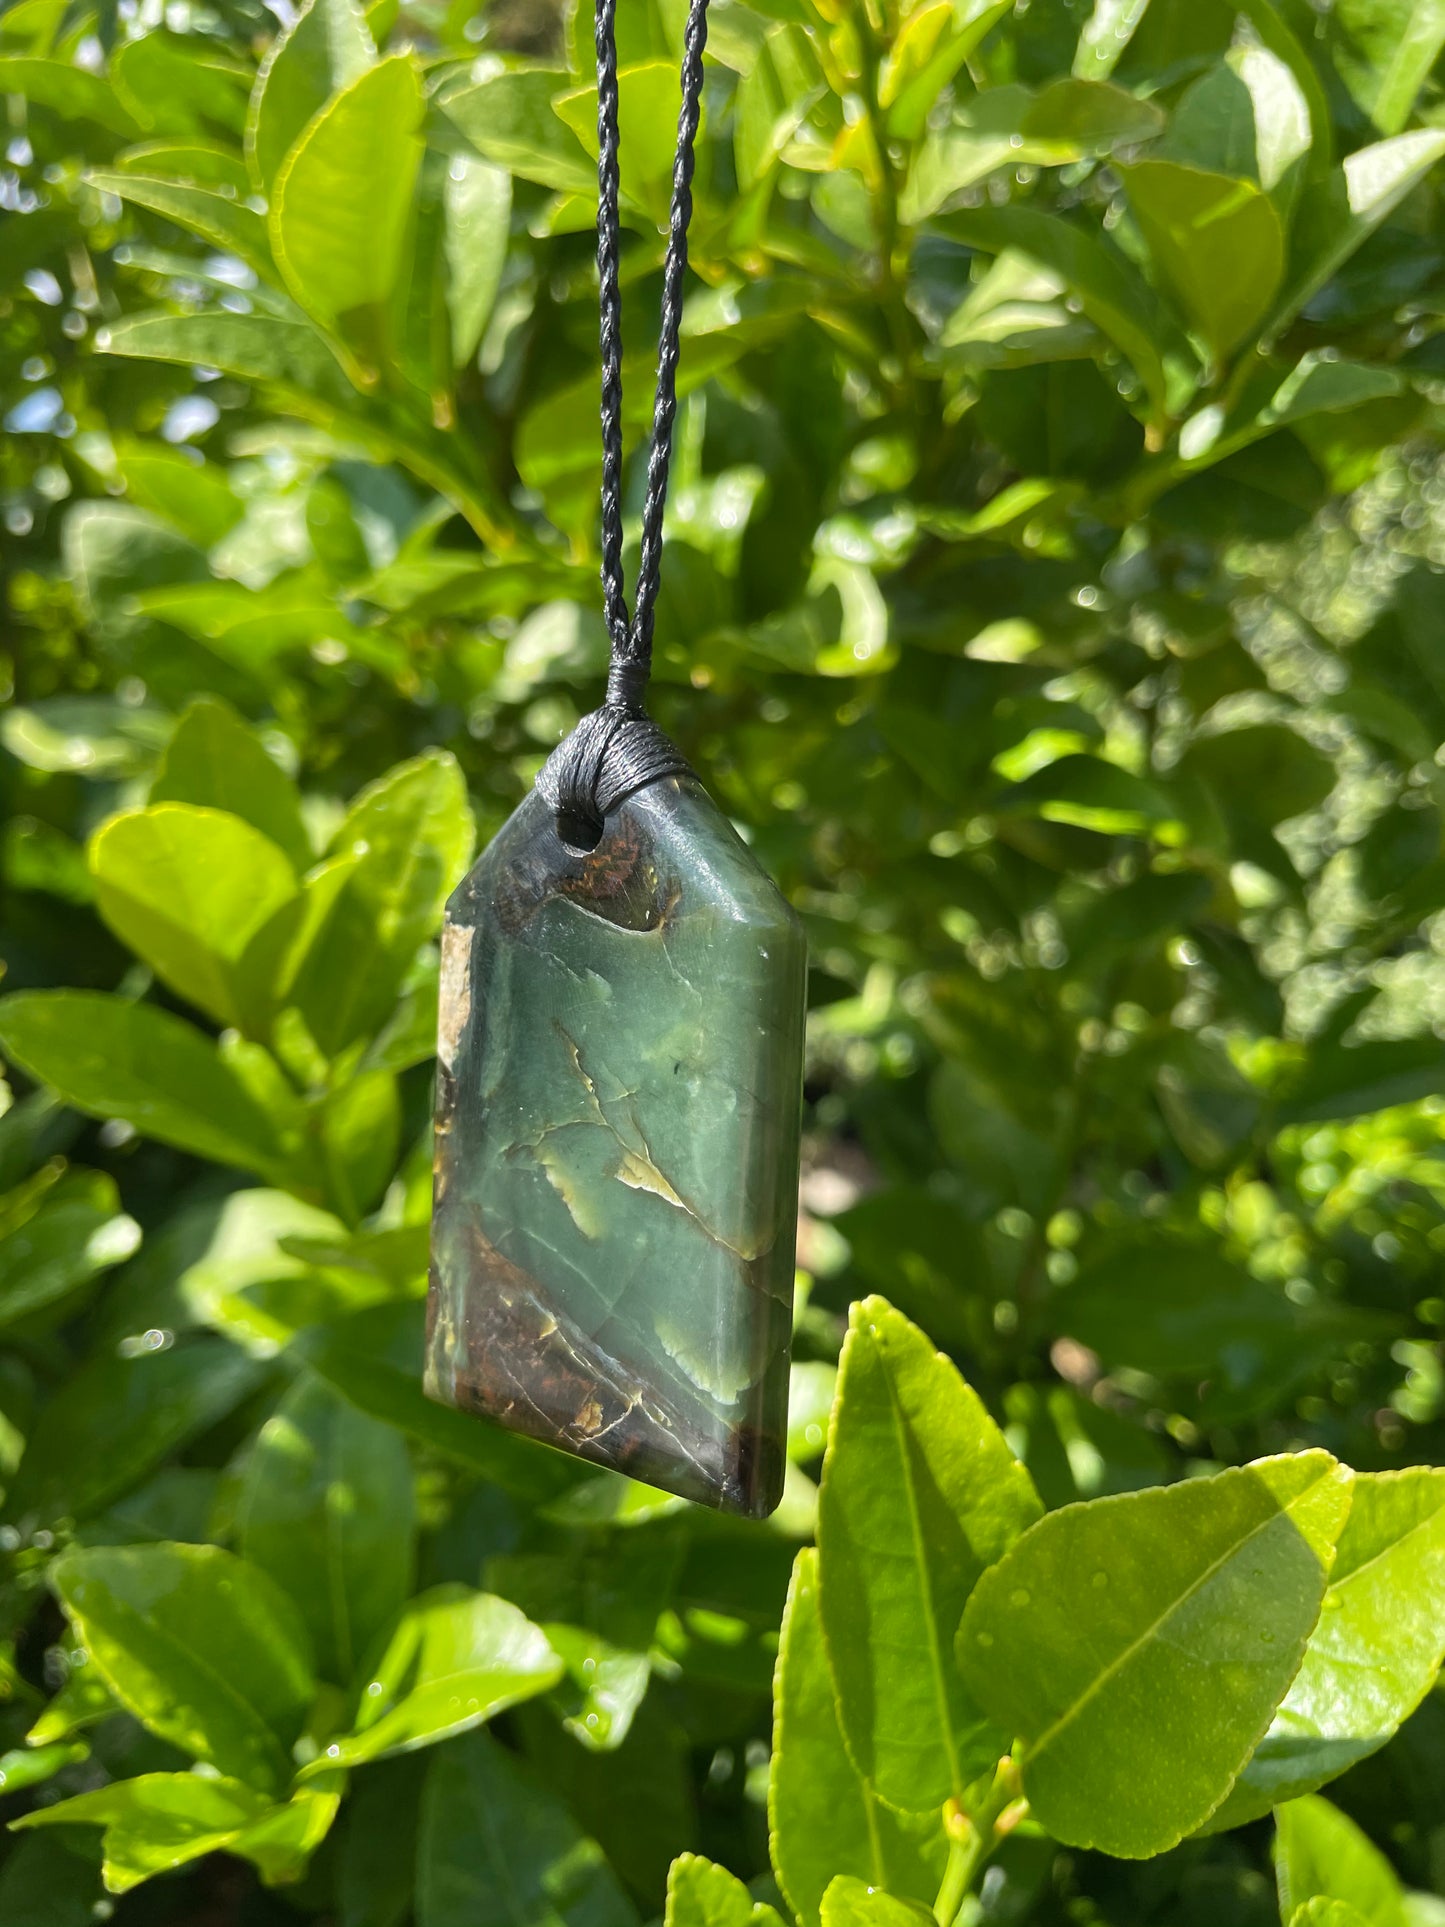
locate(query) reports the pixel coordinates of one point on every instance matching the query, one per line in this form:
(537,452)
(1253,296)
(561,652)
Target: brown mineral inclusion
(618,1087)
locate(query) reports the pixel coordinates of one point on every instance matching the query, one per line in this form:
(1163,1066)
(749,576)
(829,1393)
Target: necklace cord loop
(616,749)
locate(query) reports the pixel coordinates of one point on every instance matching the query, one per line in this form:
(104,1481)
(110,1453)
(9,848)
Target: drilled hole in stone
(578,833)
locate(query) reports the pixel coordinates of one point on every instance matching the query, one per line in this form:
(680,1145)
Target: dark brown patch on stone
(618,881)
(523,1362)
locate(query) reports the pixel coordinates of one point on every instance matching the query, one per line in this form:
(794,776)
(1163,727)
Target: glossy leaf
(1384,54)
(410,836)
(255,347)
(214,760)
(496,1844)
(177,85)
(823,1817)
(1340,213)
(1106,286)
(223,221)
(920,1495)
(197,499)
(850,1902)
(71,91)
(75,1231)
(648,100)
(1321,1854)
(1218,243)
(325,1477)
(1115,1627)
(202,1648)
(117,1417)
(188,888)
(1375,1653)
(326,48)
(157,1821)
(339,205)
(702,1894)
(455,1659)
(507,118)
(478,208)
(377,1849)
(1013,126)
(112,1058)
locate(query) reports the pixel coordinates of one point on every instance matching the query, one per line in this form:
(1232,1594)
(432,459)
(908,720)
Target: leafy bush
(1051,592)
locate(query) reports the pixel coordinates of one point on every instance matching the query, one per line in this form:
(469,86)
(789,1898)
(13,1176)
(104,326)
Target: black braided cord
(617,750)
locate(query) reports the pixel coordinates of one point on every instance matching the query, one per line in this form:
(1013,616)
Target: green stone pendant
(618,1088)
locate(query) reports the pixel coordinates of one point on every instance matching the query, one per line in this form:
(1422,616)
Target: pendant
(618,1089)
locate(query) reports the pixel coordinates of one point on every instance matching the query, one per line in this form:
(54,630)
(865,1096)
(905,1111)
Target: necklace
(620,1049)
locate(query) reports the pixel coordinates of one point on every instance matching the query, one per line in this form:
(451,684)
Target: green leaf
(1320,1912)
(850,1902)
(1110,291)
(116,1417)
(175,83)
(1375,1653)
(1013,126)
(226,223)
(76,1231)
(325,1477)
(217,761)
(254,347)
(774,98)
(507,118)
(1319,1852)
(1092,794)
(44,1884)
(1105,35)
(456,1658)
(361,1136)
(115,552)
(1214,1321)
(157,1821)
(72,92)
(340,204)
(600,1610)
(1217,243)
(203,1649)
(111,1058)
(1384,51)
(251,627)
(328,46)
(202,163)
(477,199)
(188,888)
(648,97)
(1247,117)
(823,1817)
(196,498)
(1339,213)
(1116,1626)
(923,58)
(920,1495)
(702,1894)
(31,1765)
(496,1845)
(410,836)
(160,1821)
(378,1844)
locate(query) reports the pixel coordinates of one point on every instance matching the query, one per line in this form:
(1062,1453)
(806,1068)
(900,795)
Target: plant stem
(975,1837)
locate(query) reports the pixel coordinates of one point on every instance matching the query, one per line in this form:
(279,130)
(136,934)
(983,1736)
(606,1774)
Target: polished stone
(619,1078)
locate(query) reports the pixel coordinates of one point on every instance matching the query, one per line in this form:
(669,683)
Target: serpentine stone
(619,1073)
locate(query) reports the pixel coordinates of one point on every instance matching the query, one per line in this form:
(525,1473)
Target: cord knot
(612,753)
